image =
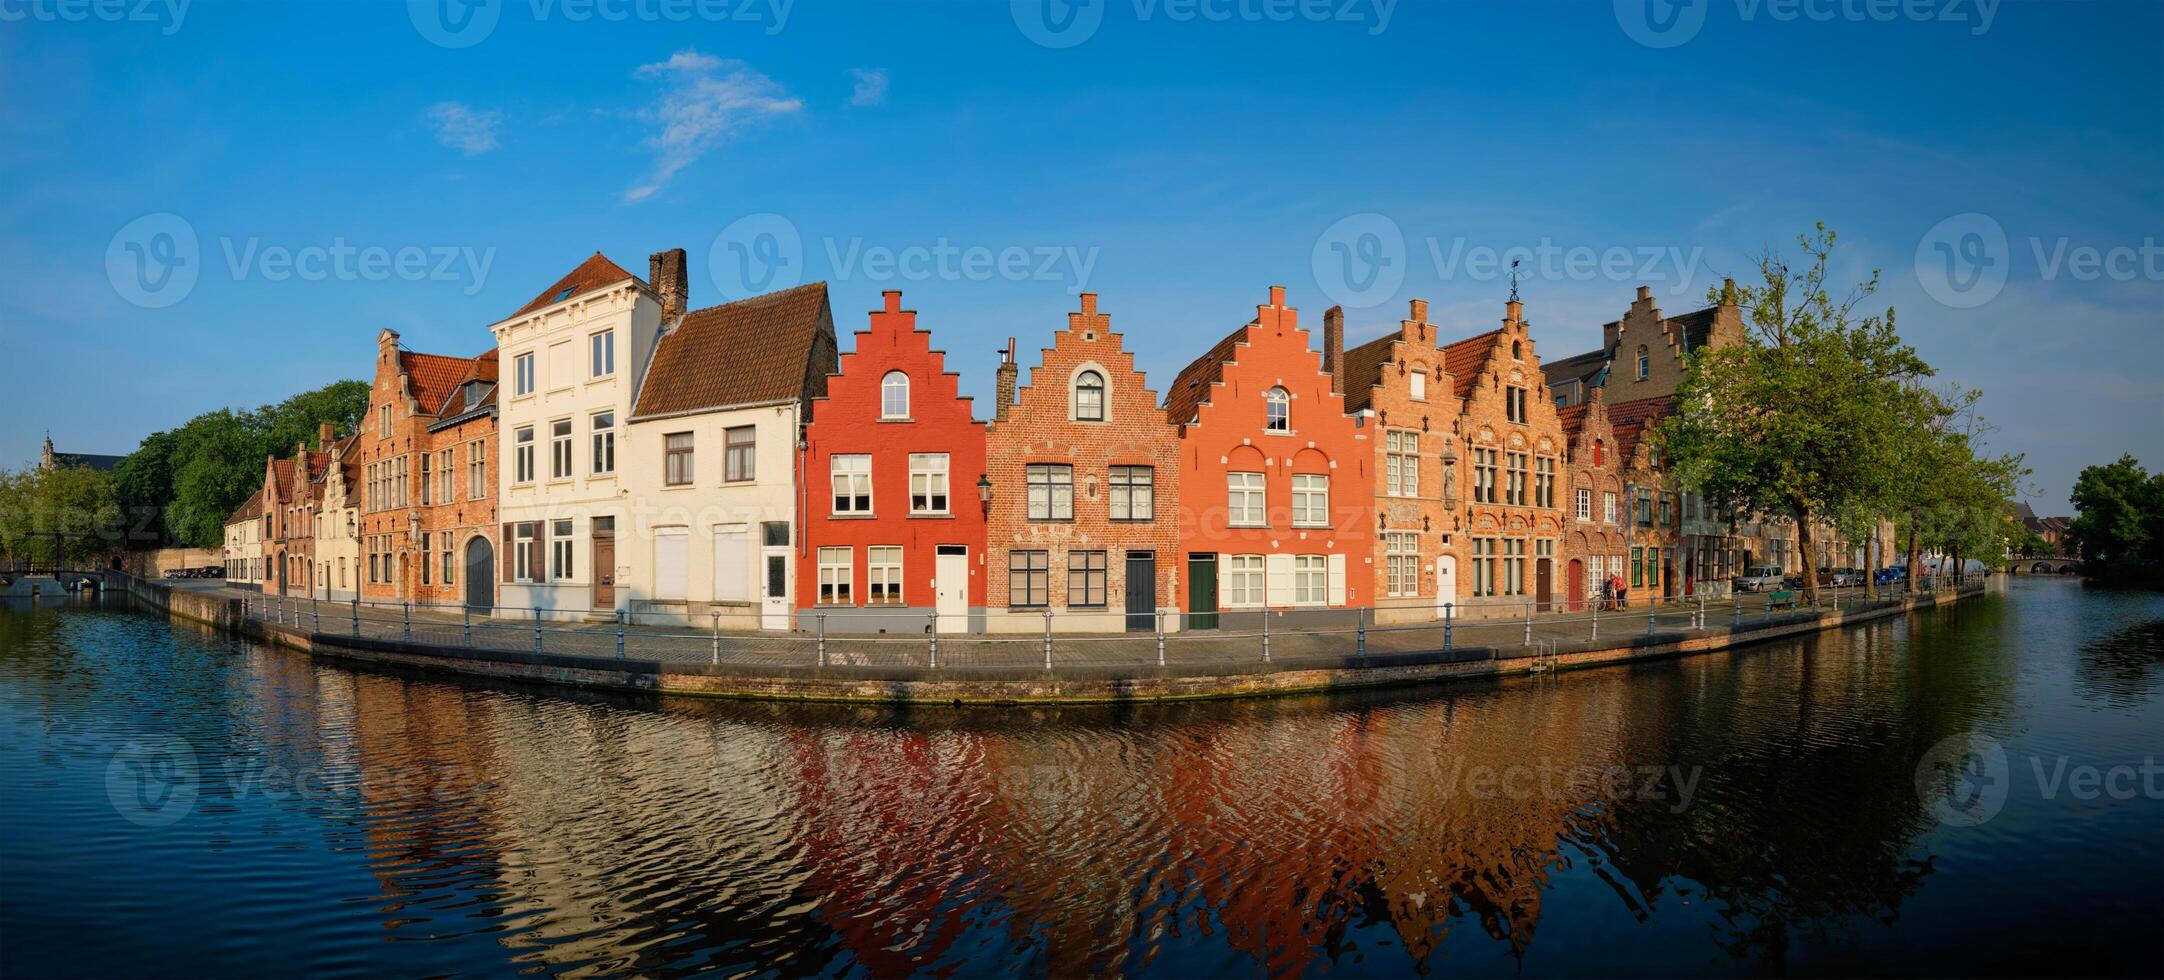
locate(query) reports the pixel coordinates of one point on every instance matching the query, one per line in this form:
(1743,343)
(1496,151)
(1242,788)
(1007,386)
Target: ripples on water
(328,821)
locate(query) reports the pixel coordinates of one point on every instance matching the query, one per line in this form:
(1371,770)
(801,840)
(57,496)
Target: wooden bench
(1785,597)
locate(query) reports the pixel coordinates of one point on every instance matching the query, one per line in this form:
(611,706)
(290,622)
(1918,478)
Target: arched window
(1089,397)
(1277,410)
(1645,364)
(1516,352)
(894,396)
(1600,452)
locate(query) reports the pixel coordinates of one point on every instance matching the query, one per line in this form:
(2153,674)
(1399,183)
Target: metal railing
(1229,640)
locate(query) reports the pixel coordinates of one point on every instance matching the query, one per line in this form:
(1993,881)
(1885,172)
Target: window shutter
(1337,580)
(672,559)
(732,557)
(1277,579)
(503,555)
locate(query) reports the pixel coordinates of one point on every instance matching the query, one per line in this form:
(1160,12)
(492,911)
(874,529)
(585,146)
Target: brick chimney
(325,435)
(1333,347)
(665,271)
(1004,390)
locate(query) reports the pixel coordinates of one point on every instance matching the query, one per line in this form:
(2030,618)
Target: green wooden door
(1201,592)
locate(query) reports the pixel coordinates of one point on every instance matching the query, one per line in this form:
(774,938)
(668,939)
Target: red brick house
(1399,383)
(894,433)
(1593,544)
(1277,482)
(430,428)
(1085,483)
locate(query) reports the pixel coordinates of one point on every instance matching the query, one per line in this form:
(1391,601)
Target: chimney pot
(1004,391)
(1277,295)
(1089,303)
(1333,347)
(1645,292)
(325,434)
(893,299)
(1420,311)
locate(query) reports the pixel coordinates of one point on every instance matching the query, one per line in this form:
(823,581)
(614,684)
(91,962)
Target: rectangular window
(522,455)
(1310,500)
(1243,581)
(1311,580)
(560,449)
(1642,505)
(1401,563)
(1484,570)
(739,454)
(928,483)
(383,421)
(835,569)
(1607,506)
(1544,481)
(1244,500)
(449,562)
(1420,385)
(883,575)
(1513,566)
(676,464)
(1638,572)
(602,353)
(1585,505)
(1401,462)
(672,563)
(522,553)
(1484,476)
(560,552)
(1051,492)
(1514,404)
(428,482)
(1515,489)
(604,429)
(1086,578)
(1029,578)
(445,485)
(476,470)
(852,479)
(427,554)
(1134,493)
(522,376)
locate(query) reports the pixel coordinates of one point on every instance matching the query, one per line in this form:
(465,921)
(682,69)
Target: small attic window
(566,294)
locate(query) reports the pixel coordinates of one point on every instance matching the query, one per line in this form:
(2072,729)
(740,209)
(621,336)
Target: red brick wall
(1228,433)
(1039,428)
(847,420)
(1484,423)
(1428,514)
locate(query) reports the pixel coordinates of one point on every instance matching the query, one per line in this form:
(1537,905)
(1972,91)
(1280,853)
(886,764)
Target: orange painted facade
(1277,503)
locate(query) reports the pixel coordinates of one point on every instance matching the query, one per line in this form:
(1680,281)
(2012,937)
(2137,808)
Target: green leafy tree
(1814,415)
(145,485)
(2119,527)
(69,514)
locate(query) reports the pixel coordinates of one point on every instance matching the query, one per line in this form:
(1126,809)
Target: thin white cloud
(703,101)
(871,86)
(461,128)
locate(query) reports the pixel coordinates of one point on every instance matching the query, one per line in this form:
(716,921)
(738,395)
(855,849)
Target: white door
(1446,582)
(950,588)
(774,589)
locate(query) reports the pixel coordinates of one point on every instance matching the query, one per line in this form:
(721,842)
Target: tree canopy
(69,514)
(2119,529)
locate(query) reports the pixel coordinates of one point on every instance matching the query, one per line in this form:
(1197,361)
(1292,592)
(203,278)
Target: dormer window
(1277,410)
(894,396)
(1089,397)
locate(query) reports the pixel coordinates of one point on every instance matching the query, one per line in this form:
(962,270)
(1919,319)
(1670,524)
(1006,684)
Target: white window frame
(1247,503)
(1277,410)
(522,375)
(522,455)
(837,566)
(849,475)
(562,552)
(562,463)
(1585,504)
(929,484)
(1244,583)
(893,383)
(1311,580)
(1103,395)
(1310,500)
(883,575)
(1050,498)
(1401,463)
(603,427)
(601,354)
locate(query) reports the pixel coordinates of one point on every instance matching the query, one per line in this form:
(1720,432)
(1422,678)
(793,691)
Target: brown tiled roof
(748,352)
(591,274)
(1464,359)
(282,477)
(1364,370)
(1630,420)
(1573,420)
(432,377)
(249,509)
(1192,386)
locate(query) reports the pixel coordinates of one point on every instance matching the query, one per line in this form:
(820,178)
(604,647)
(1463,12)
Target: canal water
(1968,791)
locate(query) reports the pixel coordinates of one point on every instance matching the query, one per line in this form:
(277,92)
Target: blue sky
(1177,158)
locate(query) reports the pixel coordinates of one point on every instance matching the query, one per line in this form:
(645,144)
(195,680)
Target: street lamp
(984,492)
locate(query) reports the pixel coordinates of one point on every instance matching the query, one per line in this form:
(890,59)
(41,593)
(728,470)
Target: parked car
(1890,574)
(1846,577)
(1761,578)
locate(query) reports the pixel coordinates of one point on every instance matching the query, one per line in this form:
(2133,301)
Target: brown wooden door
(604,569)
(1544,583)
